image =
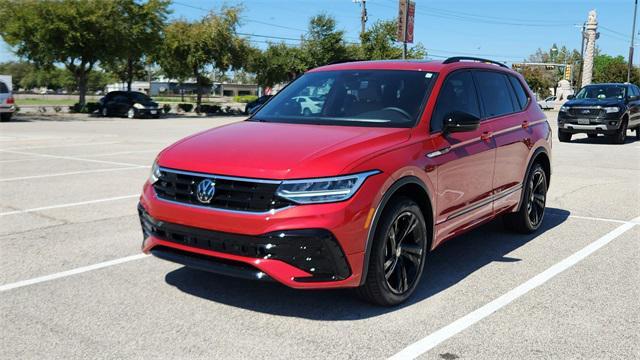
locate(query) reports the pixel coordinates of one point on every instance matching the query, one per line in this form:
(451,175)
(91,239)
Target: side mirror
(459,121)
(569,97)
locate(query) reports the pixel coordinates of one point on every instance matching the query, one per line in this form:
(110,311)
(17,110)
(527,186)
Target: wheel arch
(413,188)
(541,156)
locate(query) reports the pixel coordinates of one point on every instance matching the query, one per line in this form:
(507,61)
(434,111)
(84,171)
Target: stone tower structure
(590,34)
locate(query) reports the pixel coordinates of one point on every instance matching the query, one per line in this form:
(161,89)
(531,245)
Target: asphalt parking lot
(73,283)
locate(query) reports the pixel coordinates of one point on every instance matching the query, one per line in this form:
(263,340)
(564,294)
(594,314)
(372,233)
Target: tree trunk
(129,73)
(82,86)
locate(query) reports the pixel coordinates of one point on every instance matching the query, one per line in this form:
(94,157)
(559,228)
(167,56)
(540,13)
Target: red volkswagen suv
(393,159)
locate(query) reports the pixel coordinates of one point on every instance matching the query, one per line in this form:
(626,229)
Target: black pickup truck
(608,109)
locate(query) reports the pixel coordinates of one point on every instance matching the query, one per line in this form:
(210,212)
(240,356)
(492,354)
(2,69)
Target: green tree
(379,43)
(18,70)
(192,49)
(139,34)
(323,44)
(76,33)
(562,55)
(277,64)
(538,80)
(607,68)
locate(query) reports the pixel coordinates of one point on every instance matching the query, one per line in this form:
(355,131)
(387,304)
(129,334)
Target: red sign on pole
(406,14)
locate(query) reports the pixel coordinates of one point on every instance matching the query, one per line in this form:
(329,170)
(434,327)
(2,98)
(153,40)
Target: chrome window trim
(223,177)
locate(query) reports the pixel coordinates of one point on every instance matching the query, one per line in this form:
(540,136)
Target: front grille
(315,251)
(231,194)
(587,113)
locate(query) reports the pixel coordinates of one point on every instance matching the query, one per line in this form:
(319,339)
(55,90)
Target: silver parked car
(548,103)
(7,103)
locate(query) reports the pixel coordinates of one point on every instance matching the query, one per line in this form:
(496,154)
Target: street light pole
(633,34)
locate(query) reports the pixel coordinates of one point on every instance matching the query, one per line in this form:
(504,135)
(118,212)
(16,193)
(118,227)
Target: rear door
(464,163)
(634,105)
(504,100)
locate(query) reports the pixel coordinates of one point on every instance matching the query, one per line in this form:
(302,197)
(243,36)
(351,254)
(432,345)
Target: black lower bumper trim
(207,263)
(315,251)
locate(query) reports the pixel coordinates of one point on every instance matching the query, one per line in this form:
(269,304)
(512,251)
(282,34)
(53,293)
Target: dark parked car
(131,104)
(251,107)
(608,109)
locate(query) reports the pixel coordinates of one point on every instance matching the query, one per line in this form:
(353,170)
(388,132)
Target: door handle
(487,135)
(525,124)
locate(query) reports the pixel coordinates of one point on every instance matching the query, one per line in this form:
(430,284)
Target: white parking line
(14,212)
(70,158)
(429,342)
(75,271)
(72,173)
(58,146)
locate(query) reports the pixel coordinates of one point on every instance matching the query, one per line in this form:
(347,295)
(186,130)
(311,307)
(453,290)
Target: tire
(5,117)
(131,113)
(638,133)
(621,134)
(564,136)
(104,112)
(306,112)
(531,213)
(592,136)
(394,270)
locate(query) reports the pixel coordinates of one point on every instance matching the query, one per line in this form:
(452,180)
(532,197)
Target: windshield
(602,92)
(381,98)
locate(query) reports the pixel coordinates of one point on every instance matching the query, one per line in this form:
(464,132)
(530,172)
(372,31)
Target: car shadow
(445,267)
(604,140)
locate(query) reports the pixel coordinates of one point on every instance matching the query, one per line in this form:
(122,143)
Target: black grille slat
(231,194)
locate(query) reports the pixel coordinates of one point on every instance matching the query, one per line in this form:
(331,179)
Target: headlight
(323,190)
(564,108)
(612,109)
(155,173)
(138,106)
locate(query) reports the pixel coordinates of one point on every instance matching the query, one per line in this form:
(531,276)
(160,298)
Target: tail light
(10,100)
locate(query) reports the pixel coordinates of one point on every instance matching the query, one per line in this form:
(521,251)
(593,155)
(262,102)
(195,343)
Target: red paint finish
(463,184)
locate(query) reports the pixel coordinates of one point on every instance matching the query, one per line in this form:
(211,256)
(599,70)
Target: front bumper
(147,112)
(607,125)
(345,224)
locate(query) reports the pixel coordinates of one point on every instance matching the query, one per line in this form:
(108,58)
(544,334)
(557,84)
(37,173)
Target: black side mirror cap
(459,121)
(569,97)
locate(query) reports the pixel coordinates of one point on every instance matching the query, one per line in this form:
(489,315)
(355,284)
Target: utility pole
(363,15)
(406,25)
(633,34)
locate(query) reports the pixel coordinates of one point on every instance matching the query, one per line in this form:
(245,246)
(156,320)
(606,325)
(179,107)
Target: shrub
(57,109)
(166,108)
(210,109)
(185,107)
(89,107)
(244,98)
(42,109)
(92,107)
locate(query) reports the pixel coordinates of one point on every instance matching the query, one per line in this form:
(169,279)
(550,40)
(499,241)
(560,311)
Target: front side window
(602,92)
(458,93)
(495,93)
(139,97)
(380,98)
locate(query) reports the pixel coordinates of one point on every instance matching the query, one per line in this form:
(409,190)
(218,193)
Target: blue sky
(504,30)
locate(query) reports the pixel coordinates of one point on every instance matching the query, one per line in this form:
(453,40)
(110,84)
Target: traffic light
(567,72)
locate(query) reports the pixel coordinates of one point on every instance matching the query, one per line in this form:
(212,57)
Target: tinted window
(495,93)
(457,94)
(3,88)
(381,98)
(521,94)
(634,90)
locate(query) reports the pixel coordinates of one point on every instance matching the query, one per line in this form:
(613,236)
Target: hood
(594,102)
(279,151)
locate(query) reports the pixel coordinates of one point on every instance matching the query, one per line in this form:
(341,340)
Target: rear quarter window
(4,89)
(521,93)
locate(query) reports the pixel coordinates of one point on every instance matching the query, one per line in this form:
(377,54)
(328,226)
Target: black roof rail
(469,58)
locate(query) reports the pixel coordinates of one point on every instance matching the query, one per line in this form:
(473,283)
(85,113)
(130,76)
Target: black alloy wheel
(529,216)
(537,197)
(403,253)
(398,254)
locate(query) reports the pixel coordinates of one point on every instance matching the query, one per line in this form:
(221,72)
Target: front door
(464,160)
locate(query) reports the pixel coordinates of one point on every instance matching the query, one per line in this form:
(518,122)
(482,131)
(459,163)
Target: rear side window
(3,88)
(458,93)
(495,92)
(521,94)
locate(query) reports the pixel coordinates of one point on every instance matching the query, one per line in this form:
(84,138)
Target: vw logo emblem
(205,191)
